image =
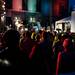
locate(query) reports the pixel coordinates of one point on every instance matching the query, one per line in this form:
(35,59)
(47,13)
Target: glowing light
(2,18)
(4,3)
(17,5)
(16,22)
(42,29)
(26,29)
(4,12)
(32,5)
(3,6)
(31,19)
(16,18)
(22,30)
(6,62)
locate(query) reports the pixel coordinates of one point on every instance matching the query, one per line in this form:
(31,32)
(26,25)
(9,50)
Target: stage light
(32,5)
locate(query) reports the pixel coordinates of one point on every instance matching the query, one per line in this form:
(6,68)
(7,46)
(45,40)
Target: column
(17,5)
(32,5)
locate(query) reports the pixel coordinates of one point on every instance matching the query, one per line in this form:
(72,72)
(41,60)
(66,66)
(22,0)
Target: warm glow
(4,3)
(32,5)
(17,5)
(4,12)
(3,6)
(26,29)
(2,18)
(31,19)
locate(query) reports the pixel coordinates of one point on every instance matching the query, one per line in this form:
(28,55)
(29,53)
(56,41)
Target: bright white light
(48,30)
(3,6)
(22,30)
(17,5)
(8,28)
(6,62)
(26,29)
(18,25)
(16,22)
(32,5)
(31,19)
(42,29)
(16,18)
(4,3)
(4,12)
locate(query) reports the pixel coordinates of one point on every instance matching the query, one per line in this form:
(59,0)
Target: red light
(17,5)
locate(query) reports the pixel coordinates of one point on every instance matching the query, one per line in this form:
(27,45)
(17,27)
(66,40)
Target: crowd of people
(35,53)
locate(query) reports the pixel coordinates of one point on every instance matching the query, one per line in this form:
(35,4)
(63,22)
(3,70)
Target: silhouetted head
(11,37)
(67,44)
(46,35)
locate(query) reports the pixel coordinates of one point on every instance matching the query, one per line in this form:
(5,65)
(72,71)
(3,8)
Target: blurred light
(26,29)
(22,30)
(2,18)
(42,29)
(18,25)
(8,28)
(16,22)
(48,30)
(4,3)
(73,40)
(16,18)
(4,12)
(3,6)
(6,62)
(32,5)
(17,5)
(31,19)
